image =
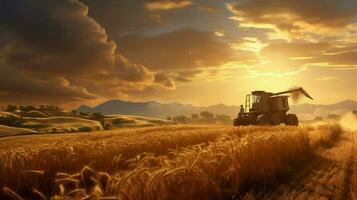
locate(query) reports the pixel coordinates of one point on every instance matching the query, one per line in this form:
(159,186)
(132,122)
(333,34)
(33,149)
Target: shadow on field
(291,180)
(347,179)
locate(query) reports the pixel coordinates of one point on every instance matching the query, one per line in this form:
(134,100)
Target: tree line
(202,117)
(13,108)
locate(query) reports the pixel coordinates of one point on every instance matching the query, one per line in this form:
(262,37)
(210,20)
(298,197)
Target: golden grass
(64,124)
(135,121)
(172,162)
(11,131)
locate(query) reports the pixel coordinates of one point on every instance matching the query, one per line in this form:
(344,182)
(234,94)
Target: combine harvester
(266,108)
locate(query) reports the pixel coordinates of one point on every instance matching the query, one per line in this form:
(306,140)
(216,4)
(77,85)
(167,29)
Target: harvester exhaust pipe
(300,90)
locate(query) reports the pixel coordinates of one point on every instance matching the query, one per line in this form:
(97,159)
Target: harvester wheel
(292,120)
(263,119)
(236,122)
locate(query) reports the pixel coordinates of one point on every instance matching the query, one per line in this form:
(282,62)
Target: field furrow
(329,176)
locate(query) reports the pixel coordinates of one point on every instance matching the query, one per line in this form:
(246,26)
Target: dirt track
(332,175)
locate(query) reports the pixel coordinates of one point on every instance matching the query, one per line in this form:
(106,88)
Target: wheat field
(167,162)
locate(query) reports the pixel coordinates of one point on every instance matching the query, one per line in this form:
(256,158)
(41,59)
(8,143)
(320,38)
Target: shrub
(11,121)
(107,126)
(223,118)
(97,116)
(85,129)
(181,119)
(11,108)
(120,121)
(194,116)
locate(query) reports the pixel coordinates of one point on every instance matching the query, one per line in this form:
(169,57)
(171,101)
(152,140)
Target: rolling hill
(11,131)
(155,109)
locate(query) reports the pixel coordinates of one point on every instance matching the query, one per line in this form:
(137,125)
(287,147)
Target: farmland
(165,162)
(39,121)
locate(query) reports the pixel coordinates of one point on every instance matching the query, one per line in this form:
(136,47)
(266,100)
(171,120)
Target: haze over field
(156,109)
(199,52)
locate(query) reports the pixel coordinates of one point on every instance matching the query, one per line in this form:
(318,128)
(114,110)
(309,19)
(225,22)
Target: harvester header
(296,90)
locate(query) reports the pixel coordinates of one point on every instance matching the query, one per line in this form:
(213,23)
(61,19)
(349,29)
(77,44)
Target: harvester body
(266,108)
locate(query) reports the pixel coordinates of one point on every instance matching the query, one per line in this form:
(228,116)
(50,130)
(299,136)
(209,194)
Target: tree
(27,108)
(107,126)
(194,116)
(85,129)
(318,118)
(181,119)
(30,107)
(11,121)
(97,116)
(23,108)
(333,116)
(205,115)
(11,108)
(223,118)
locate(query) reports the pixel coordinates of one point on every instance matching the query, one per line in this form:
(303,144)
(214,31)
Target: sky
(200,52)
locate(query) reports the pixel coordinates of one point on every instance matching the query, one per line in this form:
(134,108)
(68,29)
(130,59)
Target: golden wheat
(161,163)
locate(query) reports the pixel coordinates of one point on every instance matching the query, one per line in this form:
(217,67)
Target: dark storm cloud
(57,47)
(185,48)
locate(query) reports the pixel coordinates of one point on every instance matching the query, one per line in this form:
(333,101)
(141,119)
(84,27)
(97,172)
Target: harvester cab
(266,108)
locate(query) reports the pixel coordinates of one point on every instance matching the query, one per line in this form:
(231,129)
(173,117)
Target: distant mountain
(156,109)
(309,111)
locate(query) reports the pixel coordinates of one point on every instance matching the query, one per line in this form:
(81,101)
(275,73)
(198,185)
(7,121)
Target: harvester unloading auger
(266,108)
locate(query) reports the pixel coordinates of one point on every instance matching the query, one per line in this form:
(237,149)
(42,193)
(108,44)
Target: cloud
(297,56)
(167,5)
(116,16)
(294,20)
(326,78)
(291,50)
(186,75)
(43,39)
(129,71)
(345,56)
(164,80)
(54,47)
(184,48)
(13,81)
